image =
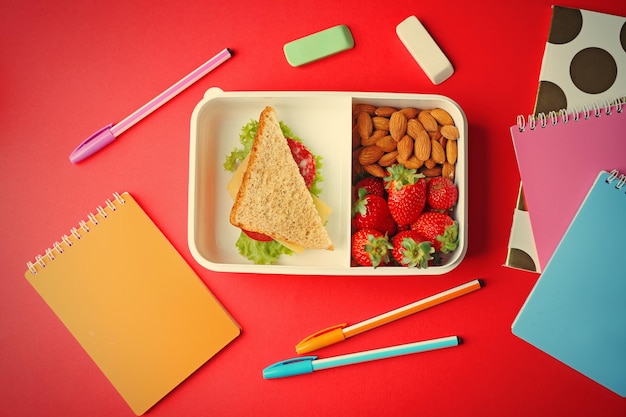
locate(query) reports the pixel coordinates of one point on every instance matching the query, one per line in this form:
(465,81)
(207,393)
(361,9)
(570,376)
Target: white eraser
(424,50)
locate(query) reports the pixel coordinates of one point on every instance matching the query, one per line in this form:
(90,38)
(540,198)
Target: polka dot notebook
(584,60)
(584,65)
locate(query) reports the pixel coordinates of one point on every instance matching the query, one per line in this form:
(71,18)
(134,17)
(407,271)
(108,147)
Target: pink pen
(107,134)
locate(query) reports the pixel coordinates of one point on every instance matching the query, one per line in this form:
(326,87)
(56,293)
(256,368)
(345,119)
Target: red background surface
(68,68)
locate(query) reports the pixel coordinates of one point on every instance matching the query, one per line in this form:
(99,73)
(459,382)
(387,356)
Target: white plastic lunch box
(323,120)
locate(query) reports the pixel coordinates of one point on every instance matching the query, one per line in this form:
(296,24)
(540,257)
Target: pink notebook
(559,156)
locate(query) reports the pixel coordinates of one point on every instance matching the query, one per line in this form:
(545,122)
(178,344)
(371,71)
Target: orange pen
(340,332)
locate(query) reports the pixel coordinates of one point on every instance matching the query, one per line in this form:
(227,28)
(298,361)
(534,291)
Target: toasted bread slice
(273,198)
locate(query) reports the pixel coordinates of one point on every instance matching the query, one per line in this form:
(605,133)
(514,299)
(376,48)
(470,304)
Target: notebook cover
(576,311)
(592,43)
(132,302)
(558,163)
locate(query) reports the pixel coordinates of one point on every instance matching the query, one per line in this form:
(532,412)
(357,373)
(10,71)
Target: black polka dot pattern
(551,97)
(582,60)
(566,25)
(593,70)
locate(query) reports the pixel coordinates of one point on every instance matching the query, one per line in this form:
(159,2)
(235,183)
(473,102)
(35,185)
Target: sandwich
(272,198)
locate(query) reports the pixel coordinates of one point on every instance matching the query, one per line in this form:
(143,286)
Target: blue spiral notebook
(577,310)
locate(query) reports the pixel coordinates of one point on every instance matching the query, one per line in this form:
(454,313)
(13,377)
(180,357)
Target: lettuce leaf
(261,253)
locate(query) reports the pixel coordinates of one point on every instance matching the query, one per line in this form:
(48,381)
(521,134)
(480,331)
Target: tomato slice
(258,236)
(304,159)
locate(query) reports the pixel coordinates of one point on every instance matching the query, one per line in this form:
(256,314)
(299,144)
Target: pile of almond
(424,139)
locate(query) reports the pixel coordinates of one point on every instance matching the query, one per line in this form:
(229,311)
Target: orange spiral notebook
(132,302)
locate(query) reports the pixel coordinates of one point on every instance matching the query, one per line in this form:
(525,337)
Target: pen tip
(230,51)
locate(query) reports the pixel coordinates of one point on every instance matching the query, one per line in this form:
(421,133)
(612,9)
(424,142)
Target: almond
(386,143)
(450,132)
(388,159)
(432,172)
(364,125)
(405,147)
(380,123)
(409,112)
(367,108)
(429,163)
(370,154)
(437,153)
(357,168)
(441,116)
(451,151)
(413,163)
(413,127)
(447,170)
(397,125)
(376,136)
(428,121)
(422,146)
(356,138)
(443,141)
(436,135)
(375,170)
(385,111)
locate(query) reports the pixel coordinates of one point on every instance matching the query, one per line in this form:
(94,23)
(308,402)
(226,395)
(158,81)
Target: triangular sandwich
(273,198)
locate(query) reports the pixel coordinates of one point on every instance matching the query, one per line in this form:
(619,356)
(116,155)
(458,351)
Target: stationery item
(318,45)
(424,50)
(558,156)
(110,132)
(132,302)
(339,333)
(522,251)
(576,311)
(583,63)
(309,364)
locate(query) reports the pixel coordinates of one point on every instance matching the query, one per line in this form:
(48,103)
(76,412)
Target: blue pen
(308,364)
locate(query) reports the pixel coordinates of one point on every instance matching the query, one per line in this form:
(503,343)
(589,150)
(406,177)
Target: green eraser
(318,45)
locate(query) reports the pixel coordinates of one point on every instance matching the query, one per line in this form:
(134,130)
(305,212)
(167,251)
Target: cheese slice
(235,182)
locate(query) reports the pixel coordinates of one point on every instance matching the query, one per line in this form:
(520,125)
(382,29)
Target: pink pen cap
(93,144)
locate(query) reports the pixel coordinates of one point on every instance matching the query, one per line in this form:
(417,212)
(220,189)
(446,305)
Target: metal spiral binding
(615,175)
(84,226)
(563,116)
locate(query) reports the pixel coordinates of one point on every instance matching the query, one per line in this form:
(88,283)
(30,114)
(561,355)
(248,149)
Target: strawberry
(441,193)
(304,159)
(370,248)
(440,229)
(373,185)
(406,191)
(411,249)
(370,211)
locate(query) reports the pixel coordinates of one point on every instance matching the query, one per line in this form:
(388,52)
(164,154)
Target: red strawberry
(304,159)
(373,185)
(440,229)
(370,248)
(441,193)
(411,249)
(406,191)
(370,211)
